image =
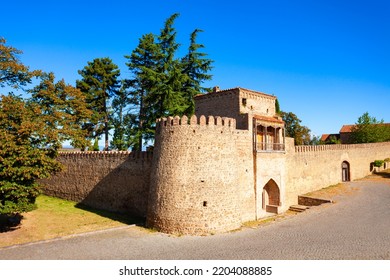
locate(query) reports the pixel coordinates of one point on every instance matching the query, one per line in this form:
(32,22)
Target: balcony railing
(270,147)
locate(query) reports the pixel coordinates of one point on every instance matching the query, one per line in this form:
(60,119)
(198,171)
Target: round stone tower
(194,181)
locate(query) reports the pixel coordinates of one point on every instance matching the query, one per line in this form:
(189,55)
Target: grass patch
(331,191)
(255,224)
(267,220)
(56,217)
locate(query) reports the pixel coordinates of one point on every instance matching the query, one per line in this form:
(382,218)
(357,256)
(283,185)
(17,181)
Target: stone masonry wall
(222,103)
(114,181)
(311,168)
(194,180)
(257,103)
(230,103)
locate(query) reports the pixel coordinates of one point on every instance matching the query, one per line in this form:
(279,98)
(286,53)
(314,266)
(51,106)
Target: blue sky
(326,61)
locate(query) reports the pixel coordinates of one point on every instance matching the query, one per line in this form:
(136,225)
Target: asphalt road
(357,226)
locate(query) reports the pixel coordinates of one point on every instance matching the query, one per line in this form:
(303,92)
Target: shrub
(378,163)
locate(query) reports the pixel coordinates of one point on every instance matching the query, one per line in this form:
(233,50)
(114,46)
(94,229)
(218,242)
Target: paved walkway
(357,226)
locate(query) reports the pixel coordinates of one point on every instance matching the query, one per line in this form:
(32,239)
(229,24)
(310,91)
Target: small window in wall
(243,102)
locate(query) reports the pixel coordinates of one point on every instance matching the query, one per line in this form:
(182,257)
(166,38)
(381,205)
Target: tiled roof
(348,127)
(268,119)
(324,137)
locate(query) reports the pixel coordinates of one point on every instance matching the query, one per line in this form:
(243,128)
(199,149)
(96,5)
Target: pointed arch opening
(345,171)
(271,197)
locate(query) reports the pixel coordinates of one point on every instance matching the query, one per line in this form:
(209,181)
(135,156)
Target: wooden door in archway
(345,171)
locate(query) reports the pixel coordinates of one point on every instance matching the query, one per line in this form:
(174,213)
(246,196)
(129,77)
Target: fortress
(228,164)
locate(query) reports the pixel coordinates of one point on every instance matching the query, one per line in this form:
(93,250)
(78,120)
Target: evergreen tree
(143,63)
(99,82)
(123,120)
(95,146)
(167,98)
(162,84)
(277,107)
(195,66)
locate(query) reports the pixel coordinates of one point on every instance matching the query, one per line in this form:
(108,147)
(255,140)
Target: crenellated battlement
(206,174)
(194,120)
(106,154)
(338,147)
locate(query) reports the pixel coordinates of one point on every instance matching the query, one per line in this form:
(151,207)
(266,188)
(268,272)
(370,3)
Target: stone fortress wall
(195,178)
(310,168)
(206,176)
(113,181)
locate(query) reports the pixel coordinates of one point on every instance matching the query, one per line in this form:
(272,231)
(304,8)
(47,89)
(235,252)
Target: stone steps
(298,208)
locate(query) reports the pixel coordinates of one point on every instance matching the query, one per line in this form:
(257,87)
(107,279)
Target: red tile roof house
(325,138)
(344,135)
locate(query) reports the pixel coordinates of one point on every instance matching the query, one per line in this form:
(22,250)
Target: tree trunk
(106,143)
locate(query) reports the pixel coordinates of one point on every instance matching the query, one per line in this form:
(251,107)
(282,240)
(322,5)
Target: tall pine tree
(162,84)
(143,63)
(196,66)
(167,97)
(99,82)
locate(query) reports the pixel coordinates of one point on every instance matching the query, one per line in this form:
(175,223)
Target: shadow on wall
(122,188)
(110,181)
(384,174)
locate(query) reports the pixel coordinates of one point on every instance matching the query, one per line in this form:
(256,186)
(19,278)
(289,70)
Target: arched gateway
(271,197)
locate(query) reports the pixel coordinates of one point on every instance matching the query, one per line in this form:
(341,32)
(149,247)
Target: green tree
(31,130)
(143,64)
(95,146)
(333,140)
(27,153)
(277,107)
(13,73)
(196,66)
(123,121)
(99,82)
(369,130)
(162,84)
(294,129)
(167,98)
(63,109)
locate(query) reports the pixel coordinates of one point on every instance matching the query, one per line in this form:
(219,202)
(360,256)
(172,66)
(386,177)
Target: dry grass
(268,220)
(332,191)
(57,218)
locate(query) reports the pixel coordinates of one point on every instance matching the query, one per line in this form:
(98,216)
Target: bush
(378,163)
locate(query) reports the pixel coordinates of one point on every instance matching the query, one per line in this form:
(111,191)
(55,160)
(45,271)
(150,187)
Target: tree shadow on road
(10,222)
